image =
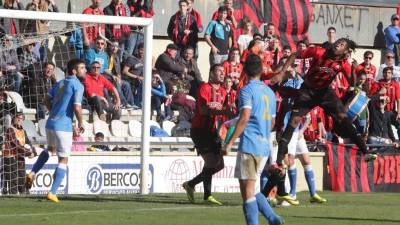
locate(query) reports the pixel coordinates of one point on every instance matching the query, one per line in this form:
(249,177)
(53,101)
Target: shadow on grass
(349,219)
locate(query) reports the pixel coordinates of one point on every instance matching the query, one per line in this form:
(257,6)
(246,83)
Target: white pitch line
(114,210)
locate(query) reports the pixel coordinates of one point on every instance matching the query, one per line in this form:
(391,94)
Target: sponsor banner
(44,179)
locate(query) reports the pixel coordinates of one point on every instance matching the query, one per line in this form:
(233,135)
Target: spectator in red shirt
(388,87)
(303,65)
(232,67)
(92,31)
(209,114)
(95,85)
(316,92)
(367,68)
(230,96)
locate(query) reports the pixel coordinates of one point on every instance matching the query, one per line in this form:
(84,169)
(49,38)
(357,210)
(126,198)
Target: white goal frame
(147,23)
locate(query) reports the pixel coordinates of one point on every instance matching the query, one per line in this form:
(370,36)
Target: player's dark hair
(351,45)
(73,65)
(253,65)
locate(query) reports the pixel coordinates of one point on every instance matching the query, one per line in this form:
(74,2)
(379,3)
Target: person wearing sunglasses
(366,67)
(392,35)
(97,53)
(389,62)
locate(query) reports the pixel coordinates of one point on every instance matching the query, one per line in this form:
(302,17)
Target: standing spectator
(133,73)
(138,8)
(9,25)
(196,15)
(389,62)
(169,67)
(367,66)
(117,32)
(232,67)
(230,96)
(230,19)
(10,65)
(246,37)
(34,27)
(331,33)
(193,72)
(182,28)
(392,36)
(113,74)
(95,85)
(98,54)
(40,86)
(270,35)
(380,129)
(92,31)
(158,97)
(219,37)
(17,147)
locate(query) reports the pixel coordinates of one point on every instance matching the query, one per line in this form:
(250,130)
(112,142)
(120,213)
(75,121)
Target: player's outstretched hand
(277,171)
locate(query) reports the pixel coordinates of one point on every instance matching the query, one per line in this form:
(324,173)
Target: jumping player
(63,99)
(257,107)
(315,91)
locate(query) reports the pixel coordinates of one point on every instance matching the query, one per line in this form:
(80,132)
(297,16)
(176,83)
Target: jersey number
(266,115)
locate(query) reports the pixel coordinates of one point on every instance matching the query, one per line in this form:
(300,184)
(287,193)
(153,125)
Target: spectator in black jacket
(182,28)
(169,67)
(193,74)
(380,129)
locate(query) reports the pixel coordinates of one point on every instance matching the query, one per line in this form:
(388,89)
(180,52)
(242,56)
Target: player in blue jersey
(257,105)
(63,100)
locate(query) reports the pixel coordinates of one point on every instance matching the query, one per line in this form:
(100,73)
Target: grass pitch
(174,209)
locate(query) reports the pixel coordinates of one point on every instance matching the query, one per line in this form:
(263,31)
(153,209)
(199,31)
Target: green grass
(173,209)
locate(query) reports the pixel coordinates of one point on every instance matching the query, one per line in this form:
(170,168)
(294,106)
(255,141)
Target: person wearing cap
(169,67)
(256,119)
(392,35)
(389,61)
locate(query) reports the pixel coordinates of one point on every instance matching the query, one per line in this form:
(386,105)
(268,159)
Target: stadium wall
(98,173)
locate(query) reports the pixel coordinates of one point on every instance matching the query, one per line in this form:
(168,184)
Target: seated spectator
(219,37)
(132,72)
(182,28)
(95,86)
(76,136)
(10,66)
(119,33)
(158,97)
(17,146)
(27,59)
(245,38)
(8,110)
(99,137)
(193,72)
(11,26)
(41,83)
(91,31)
(98,54)
(392,36)
(380,129)
(389,62)
(331,33)
(113,74)
(169,67)
(367,67)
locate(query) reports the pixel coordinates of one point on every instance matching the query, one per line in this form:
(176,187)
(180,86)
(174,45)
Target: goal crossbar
(147,23)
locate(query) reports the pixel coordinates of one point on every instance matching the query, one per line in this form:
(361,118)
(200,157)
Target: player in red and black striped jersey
(315,91)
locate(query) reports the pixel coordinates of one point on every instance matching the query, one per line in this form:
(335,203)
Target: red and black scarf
(176,29)
(120,30)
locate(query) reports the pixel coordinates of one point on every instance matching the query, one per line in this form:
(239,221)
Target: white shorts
(248,166)
(297,146)
(274,149)
(61,140)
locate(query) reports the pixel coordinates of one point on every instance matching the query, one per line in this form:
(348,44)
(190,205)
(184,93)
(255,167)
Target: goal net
(33,55)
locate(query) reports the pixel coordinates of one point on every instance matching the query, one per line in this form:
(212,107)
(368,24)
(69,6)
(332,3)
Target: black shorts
(309,98)
(205,141)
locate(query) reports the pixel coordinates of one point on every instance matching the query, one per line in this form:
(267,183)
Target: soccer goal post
(147,24)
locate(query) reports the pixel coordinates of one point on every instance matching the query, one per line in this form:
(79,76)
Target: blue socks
(250,210)
(59,177)
(42,159)
(309,174)
(292,174)
(266,209)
